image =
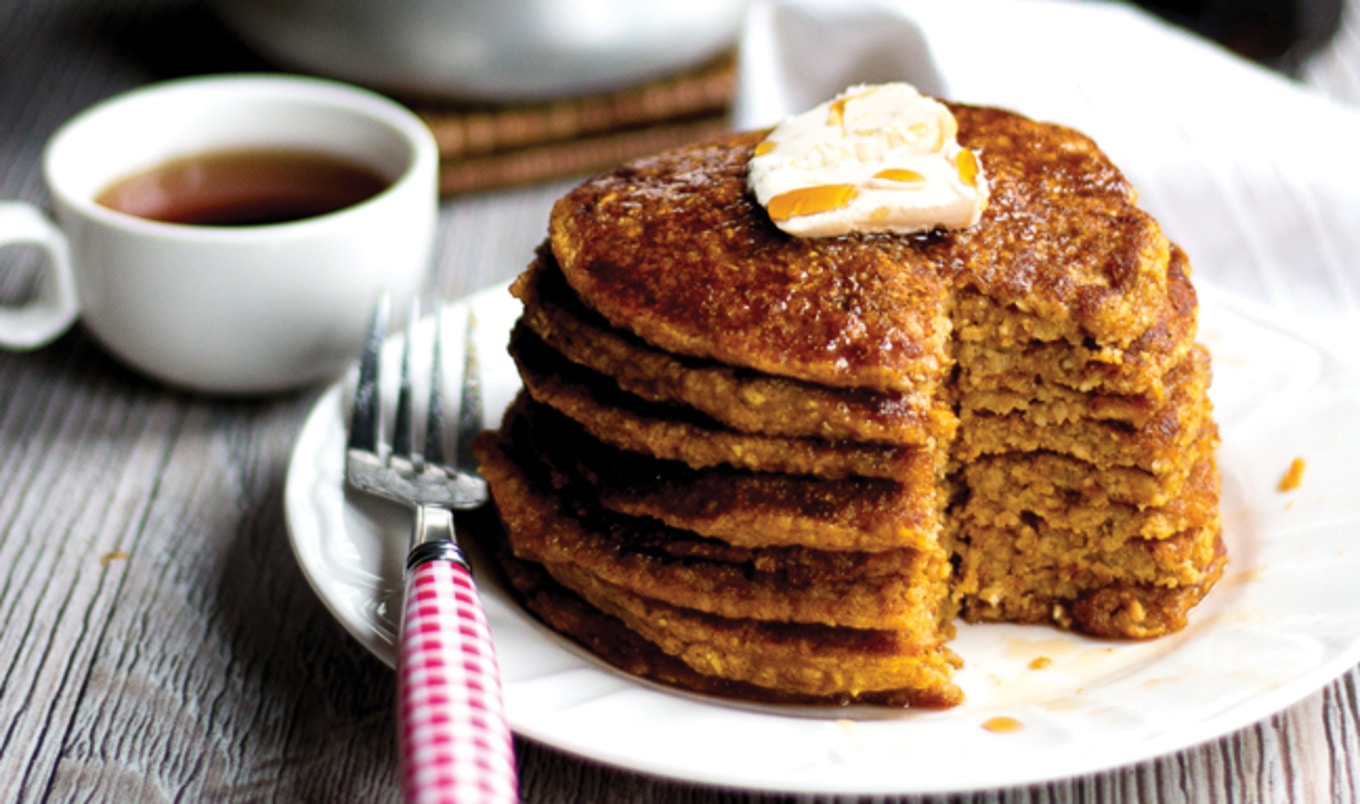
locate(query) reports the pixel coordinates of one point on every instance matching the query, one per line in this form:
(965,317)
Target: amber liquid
(244,188)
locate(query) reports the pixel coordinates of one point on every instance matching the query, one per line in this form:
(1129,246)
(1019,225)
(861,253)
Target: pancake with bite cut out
(730,427)
(674,250)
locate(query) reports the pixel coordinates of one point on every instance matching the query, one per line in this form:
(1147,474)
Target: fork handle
(455,742)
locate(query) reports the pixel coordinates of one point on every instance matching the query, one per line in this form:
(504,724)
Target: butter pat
(876,158)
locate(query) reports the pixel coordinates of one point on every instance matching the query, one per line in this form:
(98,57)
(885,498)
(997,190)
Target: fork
(454,740)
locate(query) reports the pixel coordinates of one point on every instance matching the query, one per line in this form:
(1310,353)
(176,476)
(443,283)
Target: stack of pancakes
(778,468)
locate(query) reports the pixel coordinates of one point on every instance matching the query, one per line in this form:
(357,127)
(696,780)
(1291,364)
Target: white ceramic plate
(1282,622)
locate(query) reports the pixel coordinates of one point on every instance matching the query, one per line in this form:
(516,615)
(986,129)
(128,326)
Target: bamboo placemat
(487,147)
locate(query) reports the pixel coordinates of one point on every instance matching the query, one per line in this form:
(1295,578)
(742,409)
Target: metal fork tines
(455,743)
(397,472)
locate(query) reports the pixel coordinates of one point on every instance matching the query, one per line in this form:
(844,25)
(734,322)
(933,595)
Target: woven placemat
(487,147)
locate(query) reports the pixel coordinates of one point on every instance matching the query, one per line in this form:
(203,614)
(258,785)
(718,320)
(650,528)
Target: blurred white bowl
(489,50)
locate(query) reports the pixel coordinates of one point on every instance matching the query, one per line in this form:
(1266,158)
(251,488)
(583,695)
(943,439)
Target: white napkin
(1256,177)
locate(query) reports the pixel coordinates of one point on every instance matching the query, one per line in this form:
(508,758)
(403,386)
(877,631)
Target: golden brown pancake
(1006,475)
(1008,500)
(741,399)
(674,250)
(1087,366)
(668,433)
(1119,608)
(1003,564)
(1140,611)
(898,589)
(615,642)
(743,509)
(792,658)
(1160,442)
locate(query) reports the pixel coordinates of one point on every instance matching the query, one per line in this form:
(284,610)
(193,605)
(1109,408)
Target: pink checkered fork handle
(455,743)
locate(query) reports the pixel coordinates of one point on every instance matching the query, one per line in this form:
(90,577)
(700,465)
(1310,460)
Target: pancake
(803,660)
(1117,609)
(616,642)
(1008,563)
(743,509)
(630,423)
(898,589)
(1140,611)
(674,250)
(1007,500)
(1061,248)
(1005,476)
(1160,442)
(1087,366)
(1005,563)
(740,399)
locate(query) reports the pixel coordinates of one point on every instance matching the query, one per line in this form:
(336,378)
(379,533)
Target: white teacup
(226,309)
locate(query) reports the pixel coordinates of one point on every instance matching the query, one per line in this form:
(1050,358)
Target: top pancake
(674,250)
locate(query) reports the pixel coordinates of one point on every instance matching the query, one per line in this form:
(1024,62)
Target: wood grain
(157,640)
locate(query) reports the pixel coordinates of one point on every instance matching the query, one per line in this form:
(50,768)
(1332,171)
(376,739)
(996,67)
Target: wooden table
(157,639)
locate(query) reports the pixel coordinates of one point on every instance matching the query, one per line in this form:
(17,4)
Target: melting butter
(876,158)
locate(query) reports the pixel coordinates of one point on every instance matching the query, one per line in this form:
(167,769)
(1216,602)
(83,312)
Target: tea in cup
(229,234)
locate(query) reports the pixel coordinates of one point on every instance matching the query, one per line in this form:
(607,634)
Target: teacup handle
(54,307)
